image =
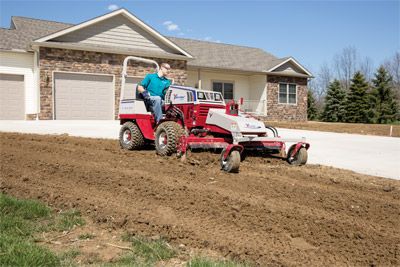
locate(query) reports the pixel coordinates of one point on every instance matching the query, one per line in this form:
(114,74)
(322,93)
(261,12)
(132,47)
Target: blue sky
(311,31)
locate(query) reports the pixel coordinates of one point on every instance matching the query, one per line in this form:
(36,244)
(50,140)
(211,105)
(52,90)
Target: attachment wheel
(300,158)
(232,162)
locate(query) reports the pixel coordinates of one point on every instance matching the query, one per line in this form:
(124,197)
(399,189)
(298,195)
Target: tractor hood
(242,124)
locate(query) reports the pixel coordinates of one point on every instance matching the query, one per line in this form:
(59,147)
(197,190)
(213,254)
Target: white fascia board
(13,50)
(224,70)
(293,61)
(109,15)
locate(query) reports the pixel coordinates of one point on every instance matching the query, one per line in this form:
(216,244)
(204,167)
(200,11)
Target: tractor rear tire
(130,136)
(167,138)
(300,158)
(232,163)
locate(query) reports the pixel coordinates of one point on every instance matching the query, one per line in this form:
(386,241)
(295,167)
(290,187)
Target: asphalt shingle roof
(26,30)
(207,54)
(227,56)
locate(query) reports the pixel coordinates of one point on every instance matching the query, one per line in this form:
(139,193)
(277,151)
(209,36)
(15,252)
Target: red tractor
(196,118)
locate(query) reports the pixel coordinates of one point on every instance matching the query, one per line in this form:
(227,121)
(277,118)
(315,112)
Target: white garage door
(12,97)
(83,96)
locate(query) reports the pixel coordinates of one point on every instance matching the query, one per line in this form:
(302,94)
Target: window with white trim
(287,93)
(225,88)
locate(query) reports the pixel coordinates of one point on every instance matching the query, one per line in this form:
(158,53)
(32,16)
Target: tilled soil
(270,213)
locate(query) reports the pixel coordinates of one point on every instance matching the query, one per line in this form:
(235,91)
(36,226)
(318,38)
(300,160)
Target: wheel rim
(162,140)
(224,162)
(291,159)
(127,137)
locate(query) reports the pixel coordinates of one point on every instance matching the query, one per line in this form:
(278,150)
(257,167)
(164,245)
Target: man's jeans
(156,103)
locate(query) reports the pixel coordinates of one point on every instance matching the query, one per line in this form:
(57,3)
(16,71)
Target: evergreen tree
(311,106)
(383,99)
(358,102)
(334,109)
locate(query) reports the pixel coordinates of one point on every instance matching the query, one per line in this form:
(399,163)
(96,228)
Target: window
(218,97)
(287,93)
(225,88)
(201,96)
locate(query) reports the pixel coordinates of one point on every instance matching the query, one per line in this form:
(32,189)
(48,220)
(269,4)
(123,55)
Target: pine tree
(311,106)
(385,105)
(358,104)
(334,109)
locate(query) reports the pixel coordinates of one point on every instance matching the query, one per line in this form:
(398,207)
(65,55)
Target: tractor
(194,118)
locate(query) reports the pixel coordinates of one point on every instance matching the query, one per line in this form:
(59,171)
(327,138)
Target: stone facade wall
(54,59)
(286,112)
(30,117)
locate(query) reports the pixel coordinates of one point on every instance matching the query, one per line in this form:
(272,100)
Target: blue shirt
(155,85)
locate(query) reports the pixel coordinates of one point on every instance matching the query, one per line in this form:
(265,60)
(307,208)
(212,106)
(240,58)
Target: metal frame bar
(125,67)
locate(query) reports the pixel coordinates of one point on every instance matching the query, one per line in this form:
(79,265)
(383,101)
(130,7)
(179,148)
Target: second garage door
(12,97)
(83,96)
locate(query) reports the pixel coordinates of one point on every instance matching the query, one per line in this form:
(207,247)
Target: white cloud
(209,39)
(112,7)
(171,26)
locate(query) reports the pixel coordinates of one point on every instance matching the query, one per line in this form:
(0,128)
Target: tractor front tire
(232,162)
(300,158)
(167,137)
(130,136)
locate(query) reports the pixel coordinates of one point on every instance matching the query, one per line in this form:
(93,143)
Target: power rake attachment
(200,119)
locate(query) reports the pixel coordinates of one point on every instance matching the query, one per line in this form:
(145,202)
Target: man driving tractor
(153,88)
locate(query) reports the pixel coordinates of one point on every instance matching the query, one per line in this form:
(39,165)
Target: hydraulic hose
(273,129)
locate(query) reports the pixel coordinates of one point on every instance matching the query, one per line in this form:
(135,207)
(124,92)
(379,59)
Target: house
(52,70)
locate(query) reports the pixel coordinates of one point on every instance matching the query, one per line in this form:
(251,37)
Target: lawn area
(31,234)
(352,128)
(22,222)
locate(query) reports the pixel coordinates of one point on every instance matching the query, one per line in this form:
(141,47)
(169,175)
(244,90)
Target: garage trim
(79,73)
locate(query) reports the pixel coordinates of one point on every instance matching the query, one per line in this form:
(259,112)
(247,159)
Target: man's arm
(143,84)
(140,88)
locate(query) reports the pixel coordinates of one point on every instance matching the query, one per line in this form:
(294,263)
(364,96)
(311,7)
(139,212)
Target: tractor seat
(148,104)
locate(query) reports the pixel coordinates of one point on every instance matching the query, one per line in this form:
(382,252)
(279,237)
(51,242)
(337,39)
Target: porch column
(266,96)
(199,78)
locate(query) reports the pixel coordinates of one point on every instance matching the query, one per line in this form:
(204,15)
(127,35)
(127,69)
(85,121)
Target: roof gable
(118,28)
(289,66)
(116,31)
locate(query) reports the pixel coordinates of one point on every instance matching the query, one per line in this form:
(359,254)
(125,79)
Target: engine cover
(231,123)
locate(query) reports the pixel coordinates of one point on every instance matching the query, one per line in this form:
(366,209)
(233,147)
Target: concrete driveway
(374,155)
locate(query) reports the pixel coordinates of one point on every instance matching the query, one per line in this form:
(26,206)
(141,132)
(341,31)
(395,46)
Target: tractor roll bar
(125,66)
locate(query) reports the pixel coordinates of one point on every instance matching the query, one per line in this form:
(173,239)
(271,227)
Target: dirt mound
(270,213)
